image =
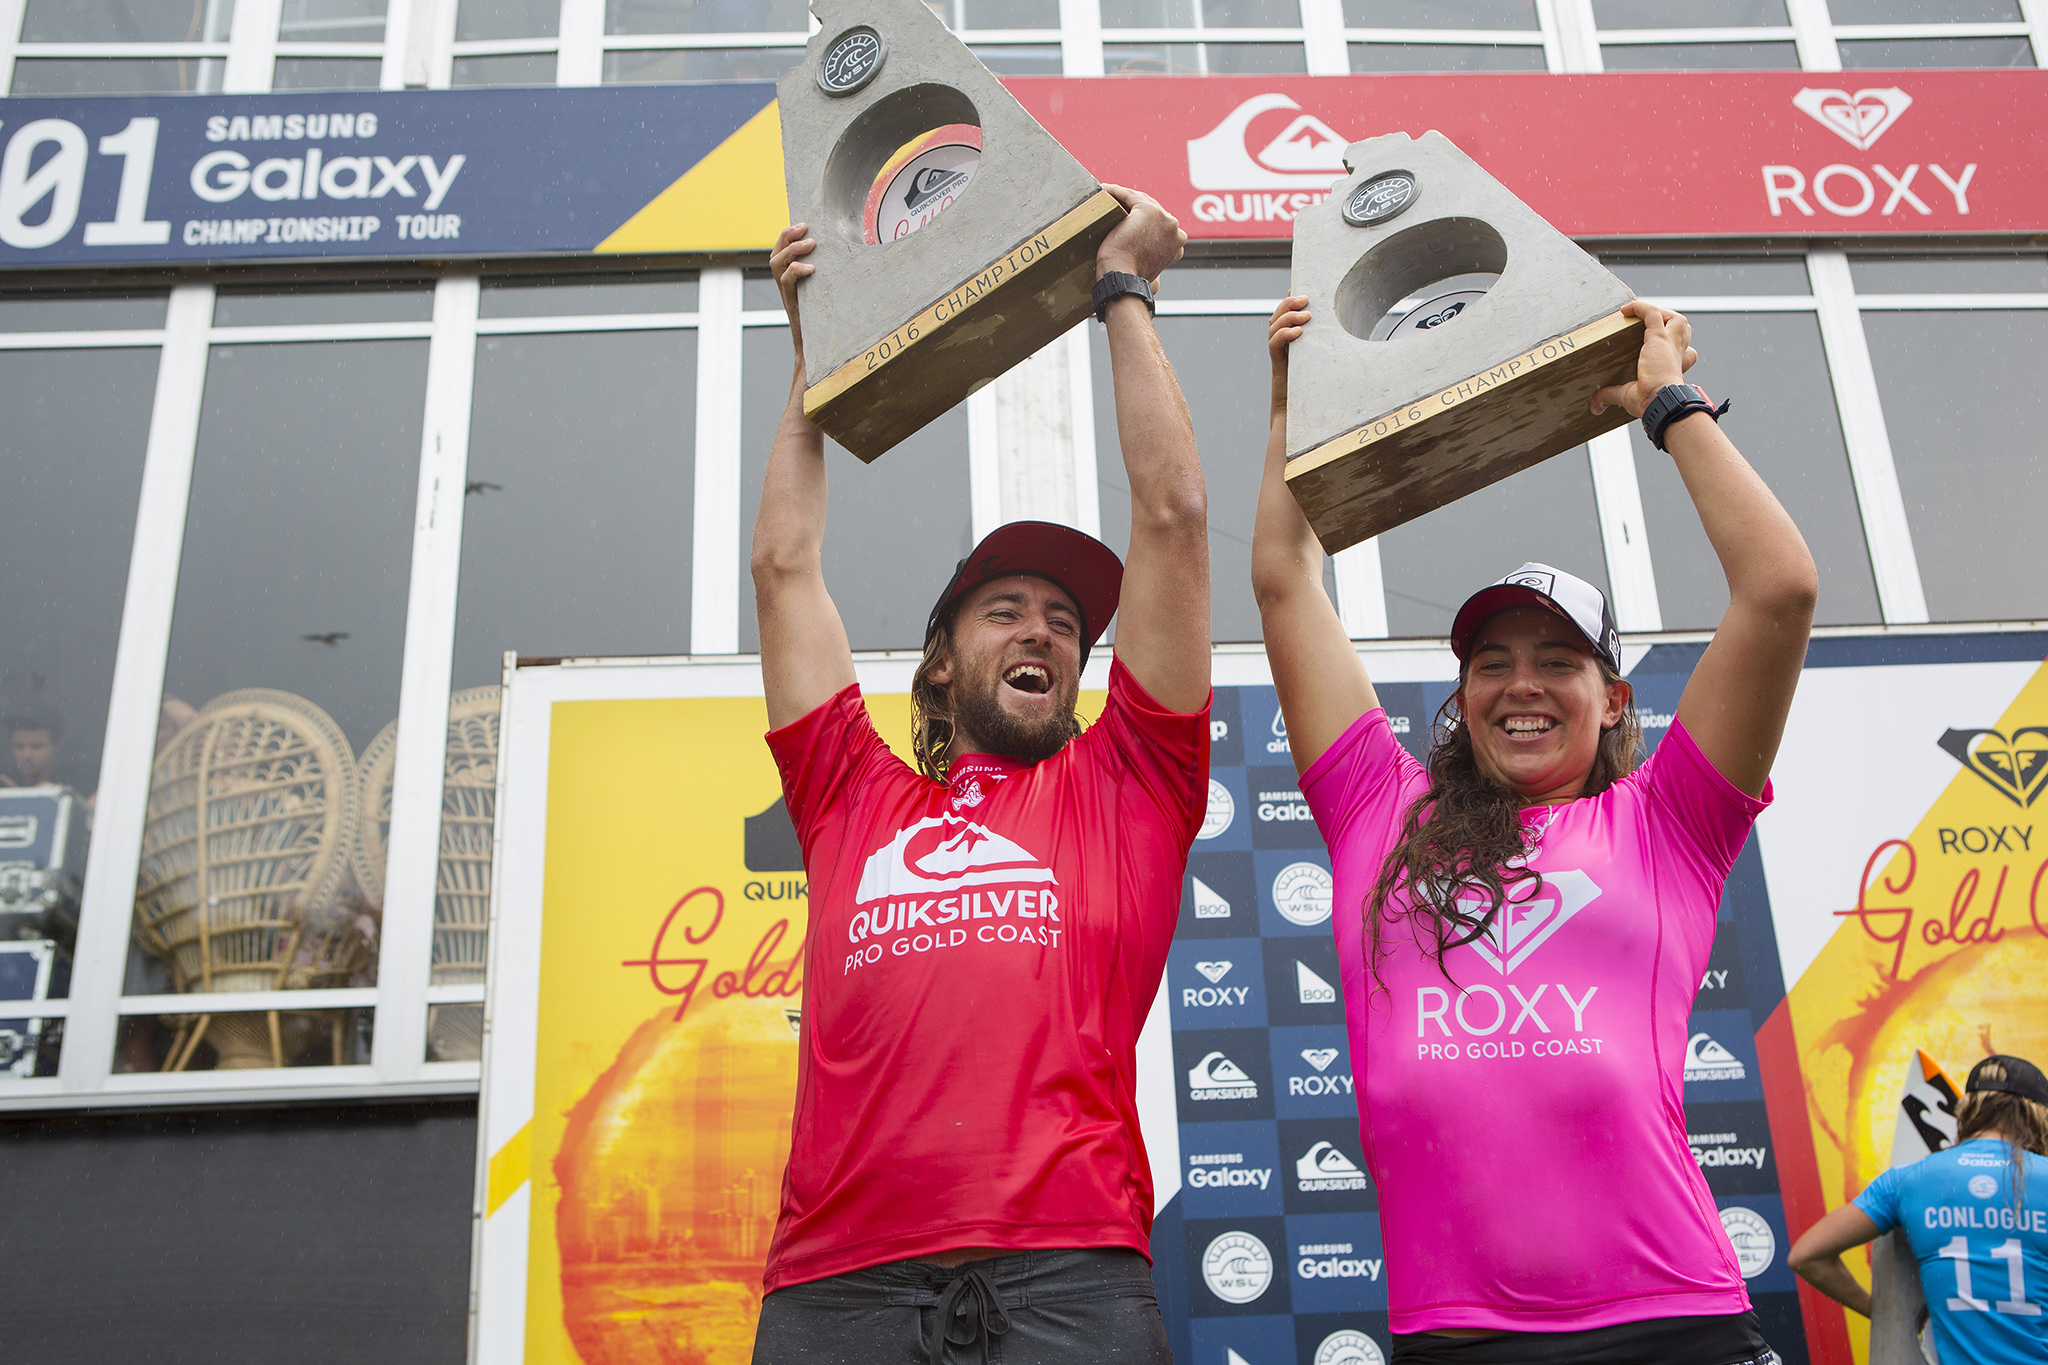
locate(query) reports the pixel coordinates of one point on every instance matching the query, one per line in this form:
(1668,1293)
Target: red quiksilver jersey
(982,954)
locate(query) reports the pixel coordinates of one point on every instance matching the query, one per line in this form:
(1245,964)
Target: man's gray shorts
(1030,1308)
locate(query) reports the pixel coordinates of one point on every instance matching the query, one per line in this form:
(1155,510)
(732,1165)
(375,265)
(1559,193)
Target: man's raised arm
(805,658)
(1162,633)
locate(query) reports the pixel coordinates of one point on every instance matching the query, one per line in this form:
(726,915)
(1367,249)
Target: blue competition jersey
(1983,1263)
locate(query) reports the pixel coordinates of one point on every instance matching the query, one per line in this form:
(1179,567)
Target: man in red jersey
(966,1176)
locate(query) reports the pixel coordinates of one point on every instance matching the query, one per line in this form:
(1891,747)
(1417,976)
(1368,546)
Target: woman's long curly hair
(1464,835)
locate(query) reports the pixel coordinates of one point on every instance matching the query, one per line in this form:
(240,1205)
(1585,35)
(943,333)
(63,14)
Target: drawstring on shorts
(969,1310)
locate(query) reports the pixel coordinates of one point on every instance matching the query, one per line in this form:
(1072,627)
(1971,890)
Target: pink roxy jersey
(1524,1116)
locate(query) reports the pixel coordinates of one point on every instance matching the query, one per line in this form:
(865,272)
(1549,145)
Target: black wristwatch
(1114,285)
(1672,402)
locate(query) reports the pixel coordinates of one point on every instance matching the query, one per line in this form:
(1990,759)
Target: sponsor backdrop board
(645,990)
(698,168)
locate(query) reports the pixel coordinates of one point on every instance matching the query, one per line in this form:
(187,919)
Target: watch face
(921,181)
(852,61)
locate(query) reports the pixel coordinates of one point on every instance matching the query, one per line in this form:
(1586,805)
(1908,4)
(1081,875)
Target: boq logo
(920,182)
(1237,1267)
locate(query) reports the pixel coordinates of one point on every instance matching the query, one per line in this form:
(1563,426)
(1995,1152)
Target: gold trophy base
(1478,431)
(1005,312)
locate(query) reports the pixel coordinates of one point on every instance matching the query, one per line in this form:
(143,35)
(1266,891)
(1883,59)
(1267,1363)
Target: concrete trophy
(1394,410)
(955,235)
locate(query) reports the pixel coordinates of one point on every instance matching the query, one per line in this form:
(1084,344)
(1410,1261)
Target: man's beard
(978,712)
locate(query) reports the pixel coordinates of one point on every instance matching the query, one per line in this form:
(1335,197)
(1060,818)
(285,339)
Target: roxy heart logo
(1306,155)
(1215,971)
(1319,1057)
(2017,765)
(1859,119)
(1523,926)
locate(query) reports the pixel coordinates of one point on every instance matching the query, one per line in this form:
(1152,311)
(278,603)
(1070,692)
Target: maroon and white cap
(1089,571)
(1539,585)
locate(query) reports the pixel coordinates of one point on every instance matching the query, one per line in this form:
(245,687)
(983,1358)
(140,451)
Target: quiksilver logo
(1707,1060)
(1216,1077)
(1323,1169)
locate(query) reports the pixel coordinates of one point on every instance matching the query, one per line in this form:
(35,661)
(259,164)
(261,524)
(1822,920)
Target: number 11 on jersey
(1964,1301)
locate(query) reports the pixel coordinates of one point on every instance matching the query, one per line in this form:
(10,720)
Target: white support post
(422,28)
(404,961)
(398,17)
(580,58)
(136,697)
(1080,38)
(1362,591)
(1035,438)
(984,463)
(252,46)
(2035,14)
(716,536)
(1577,36)
(1885,528)
(1814,32)
(1322,24)
(10,29)
(1553,41)
(1081,406)
(1631,577)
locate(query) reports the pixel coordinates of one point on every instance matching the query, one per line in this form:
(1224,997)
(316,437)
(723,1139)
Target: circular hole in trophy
(921,180)
(1433,306)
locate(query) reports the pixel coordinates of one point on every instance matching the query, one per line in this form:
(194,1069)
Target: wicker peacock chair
(462,894)
(251,813)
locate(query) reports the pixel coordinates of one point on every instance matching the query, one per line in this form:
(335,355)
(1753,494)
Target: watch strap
(1115,284)
(1672,402)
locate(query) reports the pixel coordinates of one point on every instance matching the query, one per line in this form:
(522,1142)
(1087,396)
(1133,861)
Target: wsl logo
(1322,1169)
(1349,1346)
(1707,1060)
(1216,1077)
(1237,1267)
(1222,810)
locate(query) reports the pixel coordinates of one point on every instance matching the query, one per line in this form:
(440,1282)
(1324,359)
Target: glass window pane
(1446,57)
(1934,275)
(705,16)
(1546,513)
(1224,374)
(1667,278)
(1019,60)
(326,73)
(332,21)
(1784,421)
(286,637)
(1153,59)
(1699,57)
(1227,278)
(896,527)
(559,297)
(1251,14)
(61,312)
(1011,13)
(577,515)
(1693,14)
(1923,11)
(1246,59)
(700,64)
(1480,14)
(1148,13)
(758,292)
(241,1042)
(117,75)
(525,68)
(270,306)
(1865,54)
(507,19)
(70,512)
(126,21)
(1953,404)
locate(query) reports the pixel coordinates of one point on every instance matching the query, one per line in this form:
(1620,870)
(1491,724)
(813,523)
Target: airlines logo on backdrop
(1291,171)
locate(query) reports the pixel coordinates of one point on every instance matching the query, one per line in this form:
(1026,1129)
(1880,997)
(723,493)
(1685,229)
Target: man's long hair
(934,719)
(1464,834)
(2020,1121)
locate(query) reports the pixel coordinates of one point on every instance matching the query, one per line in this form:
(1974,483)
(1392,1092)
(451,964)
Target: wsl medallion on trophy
(1454,339)
(955,235)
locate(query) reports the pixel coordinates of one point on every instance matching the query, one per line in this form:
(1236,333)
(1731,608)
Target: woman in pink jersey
(1525,920)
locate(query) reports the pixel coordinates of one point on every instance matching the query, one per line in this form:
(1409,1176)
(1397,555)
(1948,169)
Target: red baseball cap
(1083,566)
